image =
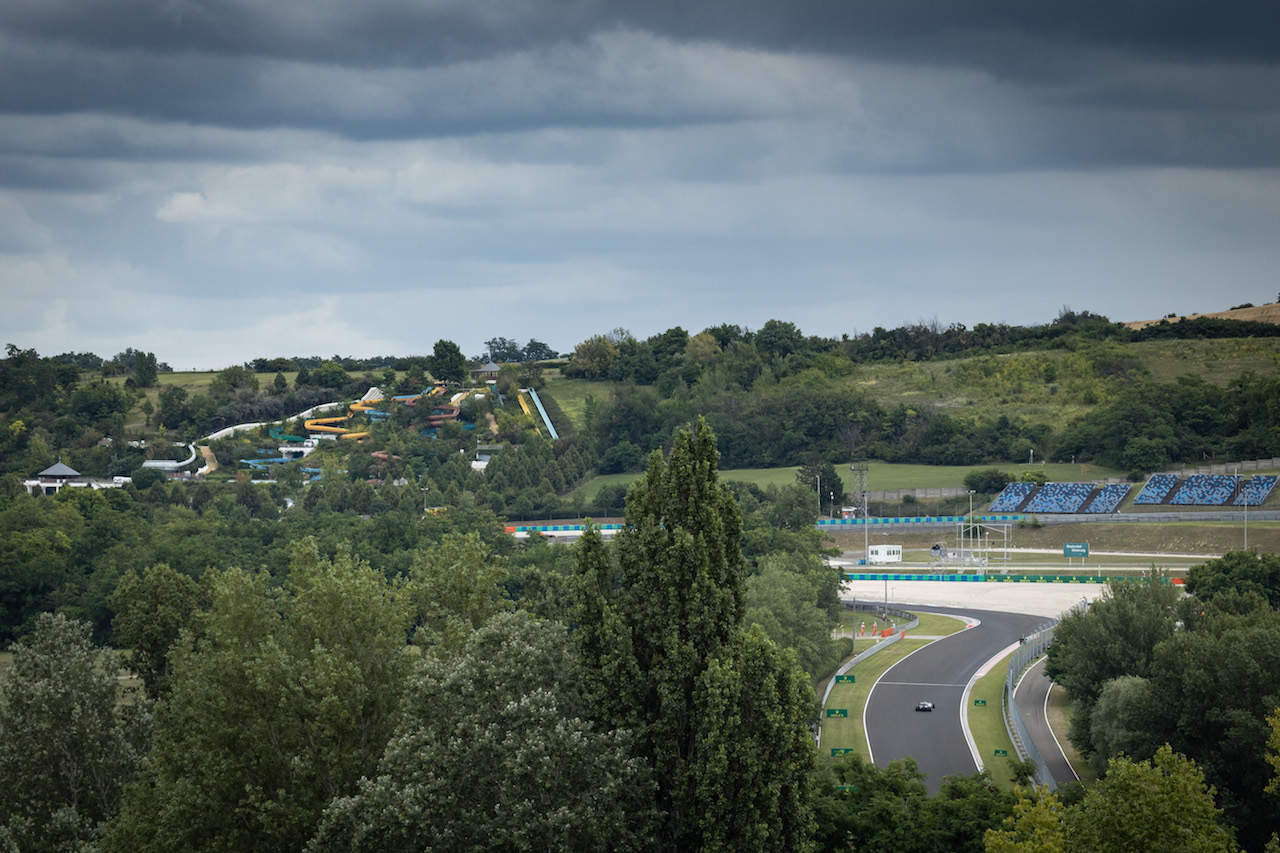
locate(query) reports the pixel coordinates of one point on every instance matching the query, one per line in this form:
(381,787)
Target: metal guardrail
(1033,646)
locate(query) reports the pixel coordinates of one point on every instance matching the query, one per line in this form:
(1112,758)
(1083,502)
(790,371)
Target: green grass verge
(987,724)
(848,732)
(938,625)
(881,476)
(571,395)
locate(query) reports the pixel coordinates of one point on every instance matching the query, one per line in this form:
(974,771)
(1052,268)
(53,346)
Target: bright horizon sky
(215,183)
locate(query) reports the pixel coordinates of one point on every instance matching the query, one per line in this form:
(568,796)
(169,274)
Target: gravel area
(1039,599)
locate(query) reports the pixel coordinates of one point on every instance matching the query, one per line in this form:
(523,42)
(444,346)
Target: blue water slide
(551,430)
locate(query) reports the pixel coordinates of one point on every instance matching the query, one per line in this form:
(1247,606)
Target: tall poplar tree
(718,713)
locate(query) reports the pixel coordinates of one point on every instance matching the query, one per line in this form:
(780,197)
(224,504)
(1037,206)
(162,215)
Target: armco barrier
(1002,578)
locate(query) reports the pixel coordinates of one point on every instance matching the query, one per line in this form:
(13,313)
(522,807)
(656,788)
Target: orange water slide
(327,425)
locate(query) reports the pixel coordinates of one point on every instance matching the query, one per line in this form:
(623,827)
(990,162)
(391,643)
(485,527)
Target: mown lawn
(571,396)
(848,732)
(881,476)
(987,724)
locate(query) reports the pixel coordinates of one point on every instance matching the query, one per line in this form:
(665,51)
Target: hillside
(1269,313)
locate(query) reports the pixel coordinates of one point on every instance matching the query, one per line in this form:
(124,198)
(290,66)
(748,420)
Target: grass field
(987,386)
(848,733)
(986,722)
(571,395)
(881,476)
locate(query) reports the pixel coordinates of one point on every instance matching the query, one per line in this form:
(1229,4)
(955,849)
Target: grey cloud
(1087,83)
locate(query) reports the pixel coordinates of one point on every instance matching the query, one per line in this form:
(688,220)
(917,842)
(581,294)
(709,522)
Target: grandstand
(1206,490)
(1157,489)
(1012,497)
(1257,490)
(1169,489)
(1060,497)
(1108,498)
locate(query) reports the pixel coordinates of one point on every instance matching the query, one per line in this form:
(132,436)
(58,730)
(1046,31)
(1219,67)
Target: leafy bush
(987,481)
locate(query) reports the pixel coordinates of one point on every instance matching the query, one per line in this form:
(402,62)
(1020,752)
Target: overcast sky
(217,181)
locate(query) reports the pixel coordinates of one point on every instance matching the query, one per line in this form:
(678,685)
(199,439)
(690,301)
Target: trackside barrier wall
(835,525)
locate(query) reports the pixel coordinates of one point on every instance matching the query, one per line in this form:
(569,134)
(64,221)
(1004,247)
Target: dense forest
(307,646)
(650,693)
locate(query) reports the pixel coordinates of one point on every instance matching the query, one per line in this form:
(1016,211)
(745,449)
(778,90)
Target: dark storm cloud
(599,162)
(410,31)
(1089,83)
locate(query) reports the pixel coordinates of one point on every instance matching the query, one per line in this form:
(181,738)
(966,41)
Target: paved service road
(937,673)
(1030,697)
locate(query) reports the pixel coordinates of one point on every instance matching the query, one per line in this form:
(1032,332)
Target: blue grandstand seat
(1257,490)
(1157,489)
(1206,490)
(1060,497)
(1012,497)
(1108,498)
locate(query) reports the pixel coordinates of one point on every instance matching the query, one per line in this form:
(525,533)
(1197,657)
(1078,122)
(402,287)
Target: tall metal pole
(970,525)
(1245,492)
(866,534)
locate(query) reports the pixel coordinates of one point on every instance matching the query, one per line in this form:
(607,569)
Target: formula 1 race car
(924,706)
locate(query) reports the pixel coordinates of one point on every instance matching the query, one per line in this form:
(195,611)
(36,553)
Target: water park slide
(364,406)
(546,419)
(327,425)
(525,406)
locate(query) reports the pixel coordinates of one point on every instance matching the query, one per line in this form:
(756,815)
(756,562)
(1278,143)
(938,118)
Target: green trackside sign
(845,679)
(837,712)
(841,750)
(1075,549)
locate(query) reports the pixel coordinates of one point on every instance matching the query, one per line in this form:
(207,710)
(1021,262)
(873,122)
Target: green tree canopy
(447,363)
(495,751)
(151,611)
(67,744)
(1240,571)
(281,700)
(1162,804)
(719,716)
(1116,636)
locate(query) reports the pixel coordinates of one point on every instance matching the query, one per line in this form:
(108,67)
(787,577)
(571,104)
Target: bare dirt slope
(1269,313)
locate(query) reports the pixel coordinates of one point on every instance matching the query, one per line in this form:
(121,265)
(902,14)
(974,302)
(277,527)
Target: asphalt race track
(938,673)
(1031,694)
